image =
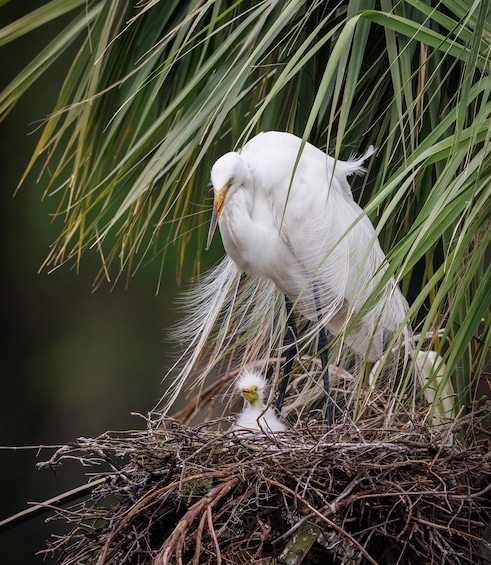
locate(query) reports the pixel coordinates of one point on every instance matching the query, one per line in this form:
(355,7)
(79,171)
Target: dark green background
(74,362)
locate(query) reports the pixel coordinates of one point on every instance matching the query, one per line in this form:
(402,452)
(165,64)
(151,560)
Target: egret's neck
(258,404)
(241,186)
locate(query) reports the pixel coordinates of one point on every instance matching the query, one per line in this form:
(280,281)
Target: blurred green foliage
(74,361)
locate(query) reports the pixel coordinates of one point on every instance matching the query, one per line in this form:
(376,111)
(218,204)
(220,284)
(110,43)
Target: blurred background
(75,361)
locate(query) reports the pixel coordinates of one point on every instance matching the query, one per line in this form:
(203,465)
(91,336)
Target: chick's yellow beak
(217,210)
(250,394)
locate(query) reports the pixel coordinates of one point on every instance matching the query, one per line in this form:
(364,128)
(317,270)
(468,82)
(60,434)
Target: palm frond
(157,91)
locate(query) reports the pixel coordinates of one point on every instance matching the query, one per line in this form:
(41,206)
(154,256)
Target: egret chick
(255,416)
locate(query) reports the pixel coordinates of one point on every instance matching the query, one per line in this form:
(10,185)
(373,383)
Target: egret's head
(227,172)
(251,385)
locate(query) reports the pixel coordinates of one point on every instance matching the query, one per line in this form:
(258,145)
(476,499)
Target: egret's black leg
(324,356)
(290,346)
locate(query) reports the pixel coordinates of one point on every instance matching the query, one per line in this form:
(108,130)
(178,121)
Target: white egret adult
(255,415)
(286,212)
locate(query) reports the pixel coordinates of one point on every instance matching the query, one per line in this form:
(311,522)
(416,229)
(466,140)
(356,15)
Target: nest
(195,495)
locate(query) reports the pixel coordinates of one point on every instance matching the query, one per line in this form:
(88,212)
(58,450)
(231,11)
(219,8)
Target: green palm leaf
(157,92)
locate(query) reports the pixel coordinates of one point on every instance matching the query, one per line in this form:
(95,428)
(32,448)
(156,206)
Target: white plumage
(291,217)
(255,415)
(431,373)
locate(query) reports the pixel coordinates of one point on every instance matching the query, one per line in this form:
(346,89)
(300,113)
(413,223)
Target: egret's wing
(325,241)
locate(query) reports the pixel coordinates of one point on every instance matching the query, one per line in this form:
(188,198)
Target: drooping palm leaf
(156,92)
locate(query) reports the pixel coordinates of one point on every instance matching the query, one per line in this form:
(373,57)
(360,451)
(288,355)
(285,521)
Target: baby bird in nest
(255,416)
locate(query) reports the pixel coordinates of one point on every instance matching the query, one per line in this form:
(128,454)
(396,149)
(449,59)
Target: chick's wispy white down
(255,415)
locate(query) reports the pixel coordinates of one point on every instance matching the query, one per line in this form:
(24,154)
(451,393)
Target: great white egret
(255,415)
(286,212)
(291,228)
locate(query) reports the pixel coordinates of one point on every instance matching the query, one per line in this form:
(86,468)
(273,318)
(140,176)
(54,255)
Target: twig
(43,507)
(199,535)
(213,535)
(175,540)
(324,518)
(376,488)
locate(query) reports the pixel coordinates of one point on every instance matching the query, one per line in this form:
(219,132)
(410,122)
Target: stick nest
(194,495)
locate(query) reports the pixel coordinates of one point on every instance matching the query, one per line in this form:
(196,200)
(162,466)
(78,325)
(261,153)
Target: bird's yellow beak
(218,202)
(250,394)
